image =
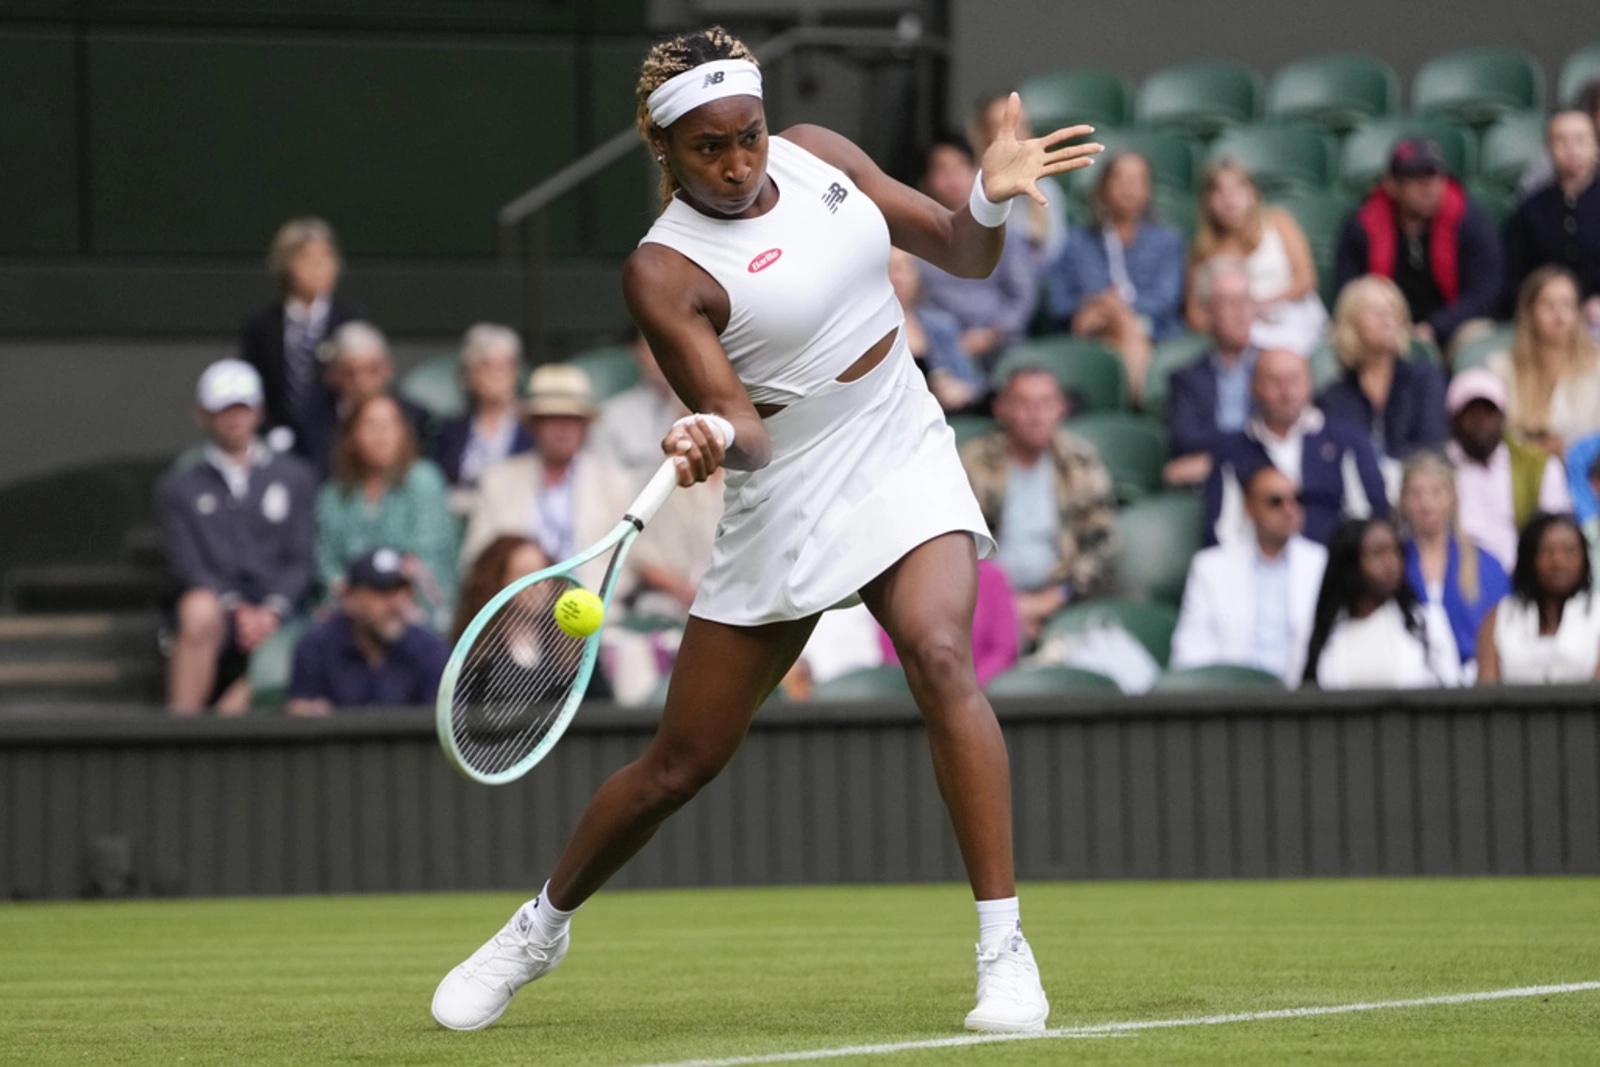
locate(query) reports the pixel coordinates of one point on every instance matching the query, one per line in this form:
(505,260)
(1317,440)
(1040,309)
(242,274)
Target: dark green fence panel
(1168,786)
(202,144)
(39,171)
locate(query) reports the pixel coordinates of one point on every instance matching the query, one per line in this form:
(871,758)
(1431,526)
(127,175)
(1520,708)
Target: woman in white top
(763,290)
(1369,632)
(1548,630)
(1232,221)
(1552,372)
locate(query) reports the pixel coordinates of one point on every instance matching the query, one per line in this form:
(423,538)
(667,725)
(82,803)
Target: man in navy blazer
(282,340)
(1332,466)
(1211,398)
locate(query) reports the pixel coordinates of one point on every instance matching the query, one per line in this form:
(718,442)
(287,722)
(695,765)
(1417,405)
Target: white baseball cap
(228,382)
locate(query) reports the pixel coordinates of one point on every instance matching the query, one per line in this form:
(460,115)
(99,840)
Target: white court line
(1127,1028)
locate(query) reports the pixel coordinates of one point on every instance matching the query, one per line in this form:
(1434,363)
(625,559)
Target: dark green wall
(181,130)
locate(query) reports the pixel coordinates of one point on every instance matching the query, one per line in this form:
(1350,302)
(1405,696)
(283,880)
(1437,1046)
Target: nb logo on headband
(714,78)
(834,197)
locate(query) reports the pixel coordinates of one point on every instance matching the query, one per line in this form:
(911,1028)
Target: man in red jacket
(1420,229)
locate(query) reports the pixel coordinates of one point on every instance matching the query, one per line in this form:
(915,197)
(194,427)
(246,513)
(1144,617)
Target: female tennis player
(764,292)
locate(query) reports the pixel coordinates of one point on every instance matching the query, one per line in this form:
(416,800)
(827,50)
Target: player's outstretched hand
(1013,168)
(697,448)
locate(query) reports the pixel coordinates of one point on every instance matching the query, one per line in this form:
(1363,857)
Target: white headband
(682,93)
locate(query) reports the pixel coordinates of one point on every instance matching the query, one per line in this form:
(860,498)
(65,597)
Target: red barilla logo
(765,260)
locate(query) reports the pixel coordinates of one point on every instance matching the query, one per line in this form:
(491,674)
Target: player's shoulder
(832,148)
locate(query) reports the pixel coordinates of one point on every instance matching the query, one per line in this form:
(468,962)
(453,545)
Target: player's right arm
(677,307)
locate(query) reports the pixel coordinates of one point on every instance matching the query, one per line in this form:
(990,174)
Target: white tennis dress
(862,472)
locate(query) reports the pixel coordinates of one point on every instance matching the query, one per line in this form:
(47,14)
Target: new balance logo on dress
(834,197)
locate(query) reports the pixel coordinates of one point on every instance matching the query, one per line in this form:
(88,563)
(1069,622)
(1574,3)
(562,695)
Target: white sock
(997,918)
(548,920)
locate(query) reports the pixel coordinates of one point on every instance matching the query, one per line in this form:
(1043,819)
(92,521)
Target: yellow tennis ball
(579,613)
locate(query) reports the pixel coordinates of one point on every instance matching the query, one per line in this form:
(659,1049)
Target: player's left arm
(954,241)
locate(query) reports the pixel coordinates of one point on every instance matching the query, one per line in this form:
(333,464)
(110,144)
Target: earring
(661,159)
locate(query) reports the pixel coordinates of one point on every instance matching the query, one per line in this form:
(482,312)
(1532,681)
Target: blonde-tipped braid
(667,60)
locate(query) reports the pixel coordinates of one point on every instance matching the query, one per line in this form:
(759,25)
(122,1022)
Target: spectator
(1047,497)
(1583,463)
(1397,403)
(1283,276)
(359,368)
(1560,224)
(1500,483)
(1331,466)
(236,528)
(381,495)
(369,654)
(1442,563)
(630,426)
(996,640)
(1548,630)
(1043,226)
(935,340)
(506,559)
(1552,373)
(1591,525)
(1541,170)
(1121,278)
(1419,228)
(1250,605)
(1369,630)
(991,312)
(283,341)
(562,496)
(491,359)
(1211,399)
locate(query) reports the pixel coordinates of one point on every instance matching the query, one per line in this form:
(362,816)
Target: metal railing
(523,223)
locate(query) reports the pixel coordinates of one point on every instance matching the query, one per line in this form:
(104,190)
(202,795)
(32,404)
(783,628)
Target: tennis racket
(515,679)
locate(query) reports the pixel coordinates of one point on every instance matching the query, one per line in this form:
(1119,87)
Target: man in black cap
(1419,228)
(370,654)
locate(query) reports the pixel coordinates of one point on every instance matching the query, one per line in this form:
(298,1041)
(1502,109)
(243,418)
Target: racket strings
(515,682)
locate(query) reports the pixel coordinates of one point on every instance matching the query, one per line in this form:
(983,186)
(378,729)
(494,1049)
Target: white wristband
(986,212)
(716,422)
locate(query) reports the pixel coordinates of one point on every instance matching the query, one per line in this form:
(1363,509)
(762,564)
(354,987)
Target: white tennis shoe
(1010,998)
(477,992)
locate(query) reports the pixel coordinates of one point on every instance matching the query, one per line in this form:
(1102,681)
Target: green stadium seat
(1086,369)
(1048,681)
(610,370)
(969,426)
(1133,448)
(1150,624)
(1160,534)
(1199,98)
(1219,676)
(436,385)
(270,665)
(1366,151)
(1478,85)
(1497,201)
(1278,157)
(866,684)
(1170,355)
(1175,208)
(1320,213)
(1171,157)
(1509,146)
(1334,92)
(1581,68)
(1476,353)
(78,515)
(1075,95)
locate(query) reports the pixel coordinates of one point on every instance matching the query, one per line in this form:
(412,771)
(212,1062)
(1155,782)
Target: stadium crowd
(1384,504)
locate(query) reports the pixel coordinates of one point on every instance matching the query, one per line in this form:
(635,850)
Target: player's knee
(675,780)
(200,616)
(940,657)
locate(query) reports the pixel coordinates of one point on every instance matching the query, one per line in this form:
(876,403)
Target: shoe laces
(513,956)
(1006,970)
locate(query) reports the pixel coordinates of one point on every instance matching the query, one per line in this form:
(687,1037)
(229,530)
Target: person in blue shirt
(1120,278)
(1210,398)
(1444,565)
(370,654)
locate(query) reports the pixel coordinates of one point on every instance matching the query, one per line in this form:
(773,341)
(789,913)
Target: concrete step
(83,587)
(87,679)
(57,637)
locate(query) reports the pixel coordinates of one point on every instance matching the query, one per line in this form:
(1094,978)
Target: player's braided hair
(672,57)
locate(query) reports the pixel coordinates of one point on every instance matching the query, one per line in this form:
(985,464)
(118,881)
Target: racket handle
(654,494)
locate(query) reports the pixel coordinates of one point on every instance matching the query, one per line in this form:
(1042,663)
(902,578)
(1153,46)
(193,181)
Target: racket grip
(654,494)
